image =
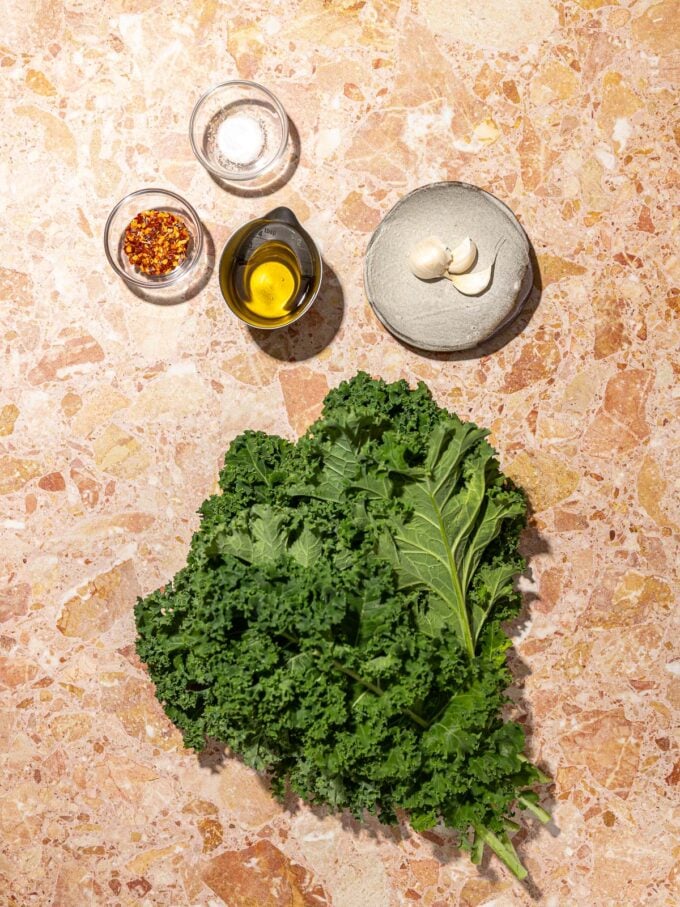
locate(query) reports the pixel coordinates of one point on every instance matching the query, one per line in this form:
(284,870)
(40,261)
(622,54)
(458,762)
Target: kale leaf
(338,620)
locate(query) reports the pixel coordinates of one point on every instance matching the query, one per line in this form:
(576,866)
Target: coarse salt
(240,138)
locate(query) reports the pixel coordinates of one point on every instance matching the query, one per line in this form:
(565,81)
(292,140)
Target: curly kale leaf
(338,620)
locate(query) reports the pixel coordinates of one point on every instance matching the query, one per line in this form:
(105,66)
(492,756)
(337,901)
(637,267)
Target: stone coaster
(434,315)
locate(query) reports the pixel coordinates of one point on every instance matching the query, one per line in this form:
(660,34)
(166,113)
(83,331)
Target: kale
(338,620)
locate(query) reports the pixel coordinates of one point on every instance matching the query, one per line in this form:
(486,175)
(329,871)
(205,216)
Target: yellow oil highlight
(271,281)
(272,288)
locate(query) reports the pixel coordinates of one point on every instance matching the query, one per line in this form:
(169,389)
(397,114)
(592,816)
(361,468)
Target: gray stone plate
(433,315)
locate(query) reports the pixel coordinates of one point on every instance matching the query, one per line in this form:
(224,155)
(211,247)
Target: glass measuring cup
(270,271)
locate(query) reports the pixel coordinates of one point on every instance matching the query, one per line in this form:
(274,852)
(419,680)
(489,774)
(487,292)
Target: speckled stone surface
(114,414)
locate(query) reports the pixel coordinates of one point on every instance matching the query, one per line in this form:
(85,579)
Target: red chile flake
(156,242)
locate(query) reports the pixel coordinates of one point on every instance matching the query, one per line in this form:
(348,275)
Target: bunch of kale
(338,620)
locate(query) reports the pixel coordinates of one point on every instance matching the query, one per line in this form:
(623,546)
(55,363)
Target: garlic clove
(429,258)
(474,283)
(463,257)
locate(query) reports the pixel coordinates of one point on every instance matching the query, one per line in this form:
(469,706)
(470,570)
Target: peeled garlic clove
(463,257)
(472,284)
(429,258)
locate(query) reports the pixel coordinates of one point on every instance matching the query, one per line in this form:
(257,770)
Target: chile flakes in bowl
(156,242)
(153,239)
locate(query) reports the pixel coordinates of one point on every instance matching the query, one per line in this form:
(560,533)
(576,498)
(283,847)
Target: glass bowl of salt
(238,130)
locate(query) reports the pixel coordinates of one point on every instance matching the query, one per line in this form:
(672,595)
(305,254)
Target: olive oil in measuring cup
(270,271)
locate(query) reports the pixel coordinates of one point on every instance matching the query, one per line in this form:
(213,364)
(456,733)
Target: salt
(240,138)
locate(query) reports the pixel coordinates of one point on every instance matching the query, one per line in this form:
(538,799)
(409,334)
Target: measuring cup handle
(283,214)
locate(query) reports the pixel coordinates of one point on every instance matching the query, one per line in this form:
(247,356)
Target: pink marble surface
(114,415)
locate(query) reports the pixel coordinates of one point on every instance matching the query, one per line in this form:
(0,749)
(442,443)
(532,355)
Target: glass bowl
(123,213)
(238,130)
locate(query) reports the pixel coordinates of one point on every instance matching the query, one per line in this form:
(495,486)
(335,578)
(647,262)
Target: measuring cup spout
(283,214)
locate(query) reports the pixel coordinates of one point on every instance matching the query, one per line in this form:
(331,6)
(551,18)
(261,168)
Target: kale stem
(503,849)
(540,813)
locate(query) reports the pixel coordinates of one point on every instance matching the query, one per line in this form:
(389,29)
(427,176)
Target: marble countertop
(115,413)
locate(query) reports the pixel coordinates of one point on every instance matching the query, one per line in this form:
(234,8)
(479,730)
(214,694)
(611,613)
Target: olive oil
(269,273)
(271,281)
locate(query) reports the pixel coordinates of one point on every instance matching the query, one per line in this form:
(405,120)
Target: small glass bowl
(238,98)
(123,213)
